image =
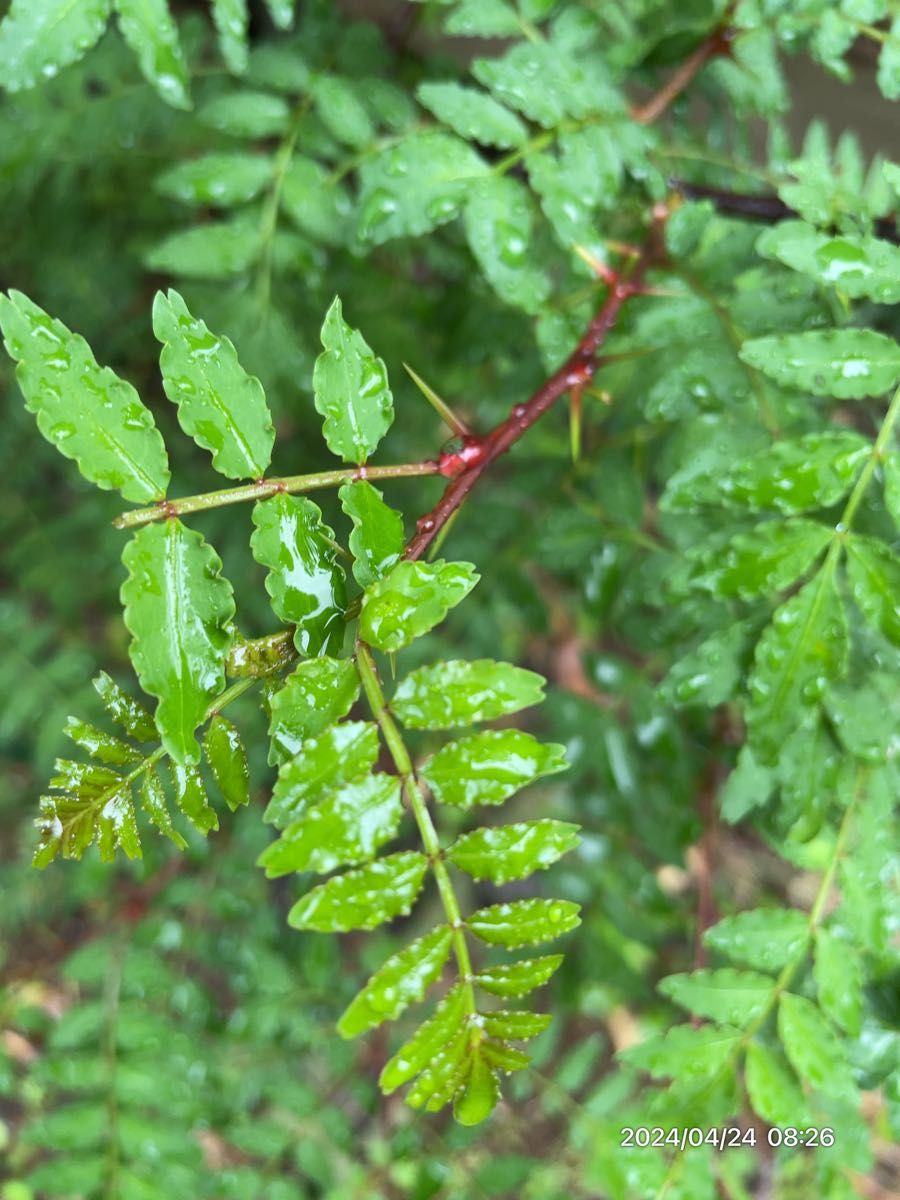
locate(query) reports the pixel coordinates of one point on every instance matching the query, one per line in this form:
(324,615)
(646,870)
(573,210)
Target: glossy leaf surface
(524,922)
(839,980)
(813,1047)
(227,758)
(315,695)
(845,363)
(191,798)
(767,939)
(363,898)
(685,1052)
(216,180)
(461,693)
(38,39)
(498,222)
(86,411)
(764,560)
(124,709)
(504,852)
(873,572)
(338,755)
(178,609)
(401,981)
(773,1088)
(488,767)
(855,264)
(472,114)
(412,598)
(153,802)
(733,997)
(520,978)
(377,540)
(432,1037)
(148,28)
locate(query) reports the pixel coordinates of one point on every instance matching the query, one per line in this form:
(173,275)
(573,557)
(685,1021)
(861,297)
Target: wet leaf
(520,978)
(472,114)
(315,202)
(86,411)
(124,710)
(765,938)
(37,39)
(305,580)
(219,405)
(524,922)
(401,981)
(153,802)
(479,1093)
(855,264)
(489,767)
(246,114)
(514,1026)
(339,754)
(845,363)
(773,1088)
(411,599)
(432,1036)
(762,561)
(216,180)
(839,979)
(216,250)
(710,673)
(101,745)
(504,852)
(351,390)
(685,1052)
(232,18)
(227,758)
(342,111)
(813,1048)
(178,609)
(377,540)
(363,898)
(148,28)
(729,996)
(461,693)
(873,572)
(315,695)
(498,221)
(191,798)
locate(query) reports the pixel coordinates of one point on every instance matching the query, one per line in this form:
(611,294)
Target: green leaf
(845,363)
(888,74)
(748,786)
(411,599)
(800,652)
(813,1048)
(524,922)
(546,85)
(69,824)
(488,767)
(461,693)
(153,802)
(351,390)
(520,978)
(813,471)
(231,18)
(472,114)
(873,572)
(401,981)
(342,111)
(498,221)
(480,1090)
(317,693)
(504,852)
(838,975)
(586,172)
(762,561)
(773,1088)
(363,898)
(483,19)
(866,718)
(855,264)
(412,188)
(38,37)
(377,540)
(227,758)
(427,1042)
(246,114)
(191,798)
(216,250)
(86,411)
(148,28)
(315,202)
(178,609)
(892,487)
(514,1026)
(101,745)
(684,1052)
(344,829)
(124,710)
(219,405)
(305,581)
(281,12)
(339,754)
(766,938)
(710,673)
(733,997)
(216,180)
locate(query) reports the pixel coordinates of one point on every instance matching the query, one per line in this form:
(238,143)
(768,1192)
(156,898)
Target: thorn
(601,269)
(441,407)
(392,659)
(575,421)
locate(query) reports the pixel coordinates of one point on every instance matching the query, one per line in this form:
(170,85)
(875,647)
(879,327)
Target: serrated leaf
(101,745)
(873,572)
(813,471)
(351,390)
(505,852)
(377,540)
(84,778)
(86,411)
(474,115)
(812,1046)
(838,974)
(153,802)
(800,652)
(216,180)
(524,922)
(685,1052)
(866,718)
(216,250)
(305,581)
(219,405)
(178,609)
(38,39)
(585,173)
(148,28)
(545,85)
(709,674)
(246,114)
(520,978)
(488,767)
(748,786)
(338,755)
(227,758)
(479,1092)
(69,824)
(317,204)
(766,938)
(856,264)
(363,898)
(232,18)
(342,111)
(401,981)
(412,188)
(773,1088)
(124,710)
(412,598)
(729,996)
(807,769)
(460,692)
(498,221)
(845,363)
(441,1080)
(317,693)
(191,798)
(762,561)
(429,1039)
(344,829)
(514,1026)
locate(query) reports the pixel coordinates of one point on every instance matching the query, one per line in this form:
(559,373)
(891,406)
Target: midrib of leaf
(105,436)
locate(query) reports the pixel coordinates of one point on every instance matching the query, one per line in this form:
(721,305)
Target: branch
(716,45)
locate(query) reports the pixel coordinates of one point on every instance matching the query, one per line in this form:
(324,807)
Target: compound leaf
(838,975)
(762,561)
(232,18)
(153,802)
(339,754)
(216,180)
(191,798)
(498,222)
(124,710)
(812,1046)
(764,938)
(518,979)
(873,572)
(474,115)
(773,1088)
(685,1052)
(856,264)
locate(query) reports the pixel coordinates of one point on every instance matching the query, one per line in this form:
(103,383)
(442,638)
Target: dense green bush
(670,371)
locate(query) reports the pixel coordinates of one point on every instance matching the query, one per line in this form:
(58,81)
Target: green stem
(263,488)
(878,455)
(394,741)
